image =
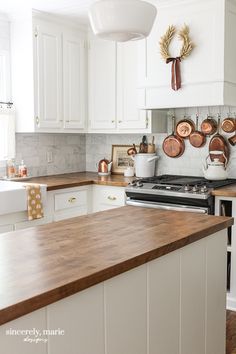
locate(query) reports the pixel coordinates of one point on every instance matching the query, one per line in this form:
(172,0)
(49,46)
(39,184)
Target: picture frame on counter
(120,159)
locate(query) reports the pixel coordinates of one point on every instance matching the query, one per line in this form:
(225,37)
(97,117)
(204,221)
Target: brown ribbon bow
(175,77)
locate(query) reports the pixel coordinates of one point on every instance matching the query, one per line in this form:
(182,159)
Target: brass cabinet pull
(72,200)
(111,198)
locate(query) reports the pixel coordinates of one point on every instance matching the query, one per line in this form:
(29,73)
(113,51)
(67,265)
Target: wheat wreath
(185,51)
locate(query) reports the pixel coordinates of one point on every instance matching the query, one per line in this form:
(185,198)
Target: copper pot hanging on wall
(184,128)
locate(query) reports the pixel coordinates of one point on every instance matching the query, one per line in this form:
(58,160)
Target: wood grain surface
(41,265)
(77,179)
(228,191)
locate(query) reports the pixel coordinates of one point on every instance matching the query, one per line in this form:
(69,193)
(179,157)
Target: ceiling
(74,9)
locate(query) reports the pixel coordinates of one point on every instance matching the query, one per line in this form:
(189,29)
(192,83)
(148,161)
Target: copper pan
(173,145)
(228,125)
(209,126)
(219,143)
(197,138)
(184,128)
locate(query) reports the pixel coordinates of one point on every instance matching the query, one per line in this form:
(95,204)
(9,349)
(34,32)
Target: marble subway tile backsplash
(80,152)
(190,163)
(68,153)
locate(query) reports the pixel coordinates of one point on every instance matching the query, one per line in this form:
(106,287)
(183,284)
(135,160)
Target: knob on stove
(139,184)
(133,183)
(195,188)
(187,188)
(204,189)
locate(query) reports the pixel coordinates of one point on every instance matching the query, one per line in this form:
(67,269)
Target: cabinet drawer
(107,198)
(70,200)
(112,197)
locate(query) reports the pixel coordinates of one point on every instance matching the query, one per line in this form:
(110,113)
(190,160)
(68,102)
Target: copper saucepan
(197,138)
(184,128)
(209,126)
(219,143)
(228,125)
(173,145)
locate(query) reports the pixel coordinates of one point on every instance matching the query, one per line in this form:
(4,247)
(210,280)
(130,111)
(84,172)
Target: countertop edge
(78,179)
(39,301)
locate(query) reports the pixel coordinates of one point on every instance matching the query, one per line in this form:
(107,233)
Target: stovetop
(179,186)
(187,180)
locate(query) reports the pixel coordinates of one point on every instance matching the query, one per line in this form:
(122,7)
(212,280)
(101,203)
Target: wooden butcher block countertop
(77,179)
(41,265)
(228,191)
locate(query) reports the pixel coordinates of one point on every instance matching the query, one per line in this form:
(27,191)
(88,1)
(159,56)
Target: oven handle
(174,207)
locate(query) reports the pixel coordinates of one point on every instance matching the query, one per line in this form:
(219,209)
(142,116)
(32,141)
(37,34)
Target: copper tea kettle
(104,167)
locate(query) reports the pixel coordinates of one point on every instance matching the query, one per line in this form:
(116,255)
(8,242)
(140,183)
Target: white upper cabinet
(48,75)
(74,80)
(48,63)
(102,84)
(114,100)
(208,74)
(129,116)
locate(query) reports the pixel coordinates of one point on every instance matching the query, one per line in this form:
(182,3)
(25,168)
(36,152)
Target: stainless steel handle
(147,120)
(173,207)
(72,200)
(37,120)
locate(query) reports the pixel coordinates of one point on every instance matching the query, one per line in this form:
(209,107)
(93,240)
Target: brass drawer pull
(111,198)
(72,200)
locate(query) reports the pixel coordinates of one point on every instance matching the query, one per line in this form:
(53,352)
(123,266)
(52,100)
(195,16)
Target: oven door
(167,206)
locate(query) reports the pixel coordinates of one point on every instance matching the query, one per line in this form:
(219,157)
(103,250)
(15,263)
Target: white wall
(5,87)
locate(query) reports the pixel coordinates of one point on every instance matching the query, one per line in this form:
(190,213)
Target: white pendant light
(122,20)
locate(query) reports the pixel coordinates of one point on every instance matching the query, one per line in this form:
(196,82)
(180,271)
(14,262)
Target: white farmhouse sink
(13,197)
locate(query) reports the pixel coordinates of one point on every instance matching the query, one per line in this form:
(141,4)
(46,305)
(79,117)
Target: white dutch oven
(145,164)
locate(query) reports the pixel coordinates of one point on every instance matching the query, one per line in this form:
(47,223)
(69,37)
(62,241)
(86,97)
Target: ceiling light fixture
(122,20)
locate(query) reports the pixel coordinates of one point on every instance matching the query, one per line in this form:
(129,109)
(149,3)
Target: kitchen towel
(34,201)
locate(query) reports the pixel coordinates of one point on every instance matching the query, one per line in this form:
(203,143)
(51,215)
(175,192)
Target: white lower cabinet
(126,312)
(21,343)
(19,221)
(70,202)
(81,316)
(174,304)
(226,206)
(25,224)
(107,197)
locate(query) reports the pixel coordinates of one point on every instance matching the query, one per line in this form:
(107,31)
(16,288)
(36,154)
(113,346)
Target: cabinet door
(105,197)
(102,84)
(48,56)
(129,116)
(73,74)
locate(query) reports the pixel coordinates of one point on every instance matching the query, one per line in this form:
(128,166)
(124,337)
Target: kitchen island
(124,281)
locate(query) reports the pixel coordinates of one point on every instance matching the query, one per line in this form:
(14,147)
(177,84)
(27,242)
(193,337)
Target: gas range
(184,192)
